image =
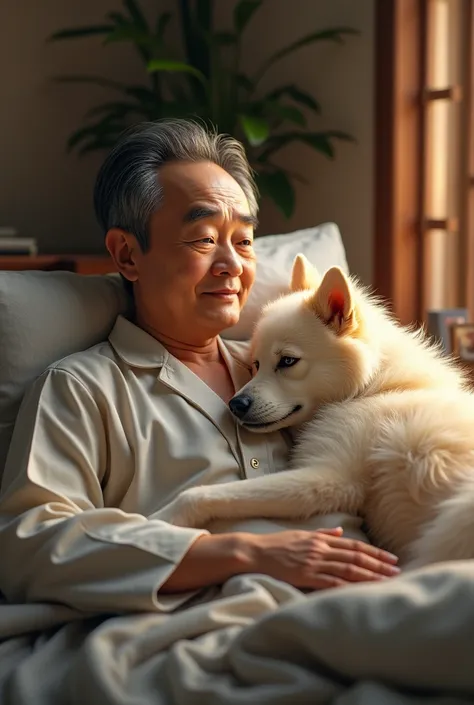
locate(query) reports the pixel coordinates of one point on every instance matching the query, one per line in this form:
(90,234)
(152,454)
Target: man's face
(200,266)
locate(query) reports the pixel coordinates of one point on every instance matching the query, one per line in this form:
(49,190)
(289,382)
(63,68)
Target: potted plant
(207,82)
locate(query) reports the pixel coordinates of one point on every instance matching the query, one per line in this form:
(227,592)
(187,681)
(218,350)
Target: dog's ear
(303,275)
(333,302)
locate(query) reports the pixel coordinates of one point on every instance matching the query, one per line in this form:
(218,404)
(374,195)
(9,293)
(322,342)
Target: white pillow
(322,246)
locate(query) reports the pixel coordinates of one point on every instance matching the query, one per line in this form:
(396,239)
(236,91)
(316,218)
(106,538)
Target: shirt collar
(135,346)
(138,348)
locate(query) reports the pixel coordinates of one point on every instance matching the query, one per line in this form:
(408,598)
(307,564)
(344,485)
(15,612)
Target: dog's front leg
(292,494)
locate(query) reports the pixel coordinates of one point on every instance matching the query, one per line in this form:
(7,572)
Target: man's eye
(287,361)
(207,240)
(247,242)
(256,364)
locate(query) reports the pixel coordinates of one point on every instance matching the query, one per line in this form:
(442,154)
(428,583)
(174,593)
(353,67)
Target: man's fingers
(337,531)
(366,548)
(363,560)
(322,581)
(349,572)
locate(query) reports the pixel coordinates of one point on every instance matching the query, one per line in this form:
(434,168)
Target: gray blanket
(256,640)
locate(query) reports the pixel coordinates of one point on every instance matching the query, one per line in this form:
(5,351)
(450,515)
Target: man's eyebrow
(248,220)
(201,212)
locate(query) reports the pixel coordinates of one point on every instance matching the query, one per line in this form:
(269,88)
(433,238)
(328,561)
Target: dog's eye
(287,361)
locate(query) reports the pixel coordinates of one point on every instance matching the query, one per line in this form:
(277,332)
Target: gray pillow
(45,316)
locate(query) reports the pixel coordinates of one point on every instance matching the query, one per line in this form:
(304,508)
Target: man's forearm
(99,560)
(304,559)
(212,560)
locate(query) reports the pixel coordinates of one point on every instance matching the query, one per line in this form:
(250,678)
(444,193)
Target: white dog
(384,424)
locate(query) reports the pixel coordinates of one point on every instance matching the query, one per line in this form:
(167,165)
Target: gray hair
(127,190)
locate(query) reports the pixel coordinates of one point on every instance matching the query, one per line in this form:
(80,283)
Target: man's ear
(123,248)
(333,302)
(303,275)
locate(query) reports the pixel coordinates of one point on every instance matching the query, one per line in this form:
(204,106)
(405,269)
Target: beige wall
(47,193)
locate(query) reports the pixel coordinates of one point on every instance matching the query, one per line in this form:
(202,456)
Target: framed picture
(441,322)
(463,341)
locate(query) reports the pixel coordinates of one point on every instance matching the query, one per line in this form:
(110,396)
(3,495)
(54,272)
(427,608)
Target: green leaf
(174,67)
(339,135)
(297,95)
(126,30)
(136,14)
(335,34)
(256,129)
(79,32)
(277,186)
(275,109)
(129,33)
(320,141)
(161,24)
(142,94)
(243,13)
(105,129)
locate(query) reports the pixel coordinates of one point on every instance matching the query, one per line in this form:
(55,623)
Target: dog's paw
(186,510)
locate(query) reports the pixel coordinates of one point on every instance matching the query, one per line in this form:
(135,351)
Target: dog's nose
(240,405)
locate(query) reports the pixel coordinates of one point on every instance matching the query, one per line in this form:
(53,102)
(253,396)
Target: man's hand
(320,559)
(309,560)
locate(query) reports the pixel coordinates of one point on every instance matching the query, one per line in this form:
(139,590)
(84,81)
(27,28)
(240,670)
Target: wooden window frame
(398,172)
(467,180)
(401,222)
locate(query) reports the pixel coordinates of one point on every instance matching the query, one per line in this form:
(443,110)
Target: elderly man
(108,436)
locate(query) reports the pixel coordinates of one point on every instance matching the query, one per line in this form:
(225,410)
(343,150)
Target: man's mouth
(223,293)
(266,424)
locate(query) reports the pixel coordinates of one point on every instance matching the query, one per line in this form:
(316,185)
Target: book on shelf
(18,246)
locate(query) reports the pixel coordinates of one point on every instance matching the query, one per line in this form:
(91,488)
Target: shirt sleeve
(58,542)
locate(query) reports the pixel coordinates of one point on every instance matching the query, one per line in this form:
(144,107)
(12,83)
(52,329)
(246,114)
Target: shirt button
(255,463)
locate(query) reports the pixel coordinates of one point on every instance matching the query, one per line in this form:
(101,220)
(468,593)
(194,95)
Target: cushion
(45,316)
(323,247)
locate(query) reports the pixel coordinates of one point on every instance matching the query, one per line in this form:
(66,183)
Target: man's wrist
(234,553)
(212,559)
(244,550)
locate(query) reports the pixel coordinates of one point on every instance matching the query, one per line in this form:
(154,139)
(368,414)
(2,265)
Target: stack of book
(12,244)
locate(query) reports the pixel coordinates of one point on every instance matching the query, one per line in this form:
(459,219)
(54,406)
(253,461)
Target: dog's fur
(384,424)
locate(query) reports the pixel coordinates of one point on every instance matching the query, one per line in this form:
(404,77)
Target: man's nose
(229,263)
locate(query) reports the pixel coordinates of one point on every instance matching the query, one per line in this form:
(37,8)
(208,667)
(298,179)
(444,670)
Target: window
(424,219)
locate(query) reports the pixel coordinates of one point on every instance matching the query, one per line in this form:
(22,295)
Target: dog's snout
(240,405)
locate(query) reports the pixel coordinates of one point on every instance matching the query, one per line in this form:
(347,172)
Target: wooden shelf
(81,264)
